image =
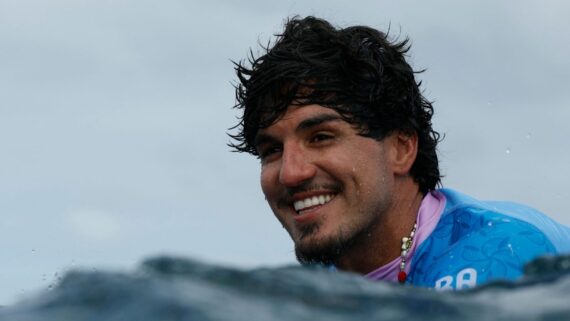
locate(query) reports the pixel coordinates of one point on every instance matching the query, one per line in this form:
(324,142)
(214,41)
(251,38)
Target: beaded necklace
(406,244)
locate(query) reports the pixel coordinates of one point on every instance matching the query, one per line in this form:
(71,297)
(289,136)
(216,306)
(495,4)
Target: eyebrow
(262,138)
(315,121)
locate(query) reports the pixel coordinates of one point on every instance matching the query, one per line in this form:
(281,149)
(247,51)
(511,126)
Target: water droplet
(490,223)
(508,151)
(489,103)
(33,251)
(528,135)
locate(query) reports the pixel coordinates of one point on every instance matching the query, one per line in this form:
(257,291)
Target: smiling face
(329,186)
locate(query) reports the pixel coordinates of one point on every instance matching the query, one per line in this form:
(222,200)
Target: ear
(404,152)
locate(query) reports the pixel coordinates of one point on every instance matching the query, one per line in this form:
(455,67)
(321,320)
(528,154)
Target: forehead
(296,113)
(300,117)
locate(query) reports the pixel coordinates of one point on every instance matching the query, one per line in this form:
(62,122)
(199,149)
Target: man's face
(326,184)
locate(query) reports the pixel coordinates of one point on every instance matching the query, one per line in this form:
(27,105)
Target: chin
(311,250)
(314,248)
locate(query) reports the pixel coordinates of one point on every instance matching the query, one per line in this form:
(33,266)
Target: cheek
(370,171)
(267,180)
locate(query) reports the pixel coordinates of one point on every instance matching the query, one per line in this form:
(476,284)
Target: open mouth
(311,202)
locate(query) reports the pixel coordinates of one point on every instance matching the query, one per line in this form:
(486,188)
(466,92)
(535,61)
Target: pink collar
(430,211)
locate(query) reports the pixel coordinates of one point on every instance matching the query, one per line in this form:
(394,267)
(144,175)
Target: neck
(381,244)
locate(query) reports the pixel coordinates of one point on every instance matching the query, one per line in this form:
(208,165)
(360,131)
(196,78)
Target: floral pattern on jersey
(495,245)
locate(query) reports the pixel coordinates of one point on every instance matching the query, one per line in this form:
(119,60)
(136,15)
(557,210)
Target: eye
(266,152)
(321,137)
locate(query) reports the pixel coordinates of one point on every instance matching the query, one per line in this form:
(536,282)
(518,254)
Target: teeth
(311,201)
(315,200)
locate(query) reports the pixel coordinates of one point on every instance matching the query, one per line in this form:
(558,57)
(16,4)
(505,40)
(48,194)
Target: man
(349,165)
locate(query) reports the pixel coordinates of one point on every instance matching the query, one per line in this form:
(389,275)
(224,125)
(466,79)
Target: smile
(311,202)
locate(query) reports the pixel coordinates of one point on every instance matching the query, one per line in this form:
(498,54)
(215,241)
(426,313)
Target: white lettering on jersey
(465,279)
(444,283)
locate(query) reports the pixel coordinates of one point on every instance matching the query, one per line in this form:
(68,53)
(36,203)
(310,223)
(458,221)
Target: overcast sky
(113,121)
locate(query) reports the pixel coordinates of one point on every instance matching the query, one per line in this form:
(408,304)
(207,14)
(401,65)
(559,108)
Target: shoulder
(464,214)
(475,242)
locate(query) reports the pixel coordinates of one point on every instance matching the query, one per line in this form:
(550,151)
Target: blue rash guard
(474,242)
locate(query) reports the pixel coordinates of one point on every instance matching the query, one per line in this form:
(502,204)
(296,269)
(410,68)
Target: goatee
(328,251)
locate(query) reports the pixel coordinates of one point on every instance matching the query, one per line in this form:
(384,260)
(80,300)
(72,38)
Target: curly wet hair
(356,71)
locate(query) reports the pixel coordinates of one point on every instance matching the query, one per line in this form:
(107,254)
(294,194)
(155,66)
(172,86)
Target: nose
(296,167)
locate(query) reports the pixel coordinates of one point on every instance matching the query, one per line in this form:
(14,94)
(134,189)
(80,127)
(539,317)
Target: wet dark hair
(356,71)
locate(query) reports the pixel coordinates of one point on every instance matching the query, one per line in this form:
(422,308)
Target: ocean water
(167,288)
